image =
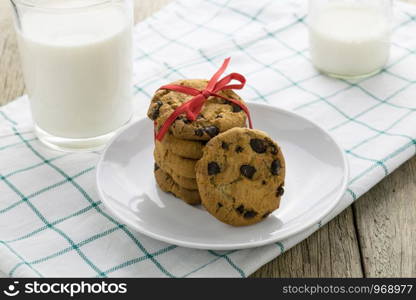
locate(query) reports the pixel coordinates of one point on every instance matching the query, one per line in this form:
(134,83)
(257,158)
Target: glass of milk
(77,64)
(349,38)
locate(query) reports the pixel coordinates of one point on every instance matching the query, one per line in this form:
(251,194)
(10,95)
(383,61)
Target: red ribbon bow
(193,107)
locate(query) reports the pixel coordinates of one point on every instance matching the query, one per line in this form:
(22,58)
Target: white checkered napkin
(52,222)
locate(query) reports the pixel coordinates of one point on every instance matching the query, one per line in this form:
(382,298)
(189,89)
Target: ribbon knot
(193,107)
(206,93)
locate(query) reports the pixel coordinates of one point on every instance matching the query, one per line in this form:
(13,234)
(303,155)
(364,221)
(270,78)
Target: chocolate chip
(240,209)
(199,132)
(219,205)
(213,168)
(224,145)
(250,214)
(274,150)
(236,108)
(156,110)
(185,120)
(212,131)
(156,167)
(258,145)
(247,171)
(280,191)
(266,215)
(264,182)
(275,167)
(239,149)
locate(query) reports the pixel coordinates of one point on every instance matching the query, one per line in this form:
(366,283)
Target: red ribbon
(193,107)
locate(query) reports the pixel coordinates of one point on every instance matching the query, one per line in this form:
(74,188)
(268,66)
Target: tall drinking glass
(77,64)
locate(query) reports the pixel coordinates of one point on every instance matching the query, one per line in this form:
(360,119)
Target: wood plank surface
(375,237)
(330,252)
(11,81)
(386,222)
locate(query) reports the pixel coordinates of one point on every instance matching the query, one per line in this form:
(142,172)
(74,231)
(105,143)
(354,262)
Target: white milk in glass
(349,39)
(77,65)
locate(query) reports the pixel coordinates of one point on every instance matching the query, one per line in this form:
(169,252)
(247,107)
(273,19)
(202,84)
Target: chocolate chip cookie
(241,176)
(172,163)
(167,184)
(183,148)
(217,115)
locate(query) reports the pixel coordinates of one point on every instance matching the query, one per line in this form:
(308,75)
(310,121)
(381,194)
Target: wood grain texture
(330,252)
(386,222)
(11,81)
(375,237)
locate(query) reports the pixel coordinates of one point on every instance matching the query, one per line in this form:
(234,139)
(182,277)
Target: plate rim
(246,245)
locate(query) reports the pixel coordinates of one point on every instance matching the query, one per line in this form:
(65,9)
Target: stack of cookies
(237,174)
(177,154)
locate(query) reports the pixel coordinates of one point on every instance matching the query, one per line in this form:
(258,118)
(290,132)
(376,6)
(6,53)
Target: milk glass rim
(34,5)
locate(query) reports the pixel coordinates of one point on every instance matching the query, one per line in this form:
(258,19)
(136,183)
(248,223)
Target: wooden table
(375,237)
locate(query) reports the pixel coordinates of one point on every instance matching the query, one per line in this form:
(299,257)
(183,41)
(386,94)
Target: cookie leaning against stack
(241,176)
(180,149)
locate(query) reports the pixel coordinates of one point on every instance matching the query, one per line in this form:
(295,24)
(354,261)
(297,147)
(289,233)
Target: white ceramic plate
(316,179)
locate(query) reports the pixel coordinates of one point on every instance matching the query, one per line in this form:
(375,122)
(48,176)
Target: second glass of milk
(350,38)
(77,64)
